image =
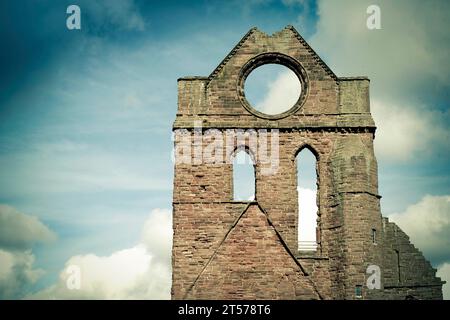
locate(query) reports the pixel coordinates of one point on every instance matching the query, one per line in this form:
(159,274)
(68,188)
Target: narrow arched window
(307,200)
(243,176)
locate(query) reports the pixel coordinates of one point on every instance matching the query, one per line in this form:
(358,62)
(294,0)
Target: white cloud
(283,93)
(404,132)
(18,233)
(428,225)
(157,234)
(140,272)
(21,231)
(407,49)
(17,273)
(444,273)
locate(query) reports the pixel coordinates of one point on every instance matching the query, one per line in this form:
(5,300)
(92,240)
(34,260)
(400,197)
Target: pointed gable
(286,41)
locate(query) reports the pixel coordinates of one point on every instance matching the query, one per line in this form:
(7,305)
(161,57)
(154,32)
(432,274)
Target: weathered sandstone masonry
(225,249)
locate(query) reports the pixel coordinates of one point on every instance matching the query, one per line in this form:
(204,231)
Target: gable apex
(255,30)
(231,53)
(311,50)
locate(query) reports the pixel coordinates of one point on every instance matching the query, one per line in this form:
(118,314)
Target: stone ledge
(192,78)
(300,256)
(415,285)
(215,202)
(353,78)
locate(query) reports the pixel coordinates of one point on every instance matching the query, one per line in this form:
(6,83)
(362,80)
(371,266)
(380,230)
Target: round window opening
(272,89)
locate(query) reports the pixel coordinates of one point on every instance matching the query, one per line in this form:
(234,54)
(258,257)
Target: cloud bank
(17,273)
(21,231)
(444,273)
(427,223)
(18,233)
(403,132)
(140,272)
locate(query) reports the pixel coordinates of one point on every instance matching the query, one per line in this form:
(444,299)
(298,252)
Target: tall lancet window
(307,200)
(243,176)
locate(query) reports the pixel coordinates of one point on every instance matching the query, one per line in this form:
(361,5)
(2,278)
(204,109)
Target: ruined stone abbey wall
(225,249)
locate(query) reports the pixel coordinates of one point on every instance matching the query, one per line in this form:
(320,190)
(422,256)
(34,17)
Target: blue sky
(86,115)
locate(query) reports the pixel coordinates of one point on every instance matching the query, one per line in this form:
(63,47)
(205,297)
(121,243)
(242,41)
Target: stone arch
(244,148)
(308,146)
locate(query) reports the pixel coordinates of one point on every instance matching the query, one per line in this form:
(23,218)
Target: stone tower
(225,249)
